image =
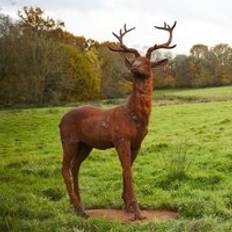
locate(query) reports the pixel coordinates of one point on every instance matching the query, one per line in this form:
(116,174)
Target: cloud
(56,5)
(199,21)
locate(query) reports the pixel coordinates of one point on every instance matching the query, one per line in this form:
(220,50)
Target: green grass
(194,95)
(185,164)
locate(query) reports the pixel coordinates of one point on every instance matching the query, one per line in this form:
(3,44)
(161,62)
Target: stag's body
(103,128)
(123,127)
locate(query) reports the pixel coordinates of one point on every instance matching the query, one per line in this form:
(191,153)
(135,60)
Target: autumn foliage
(41,63)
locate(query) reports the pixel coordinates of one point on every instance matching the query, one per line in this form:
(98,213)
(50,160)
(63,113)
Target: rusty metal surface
(123,127)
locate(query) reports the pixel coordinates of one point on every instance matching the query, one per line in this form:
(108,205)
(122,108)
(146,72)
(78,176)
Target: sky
(198,21)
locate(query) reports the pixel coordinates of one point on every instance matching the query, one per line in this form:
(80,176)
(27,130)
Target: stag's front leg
(134,153)
(124,152)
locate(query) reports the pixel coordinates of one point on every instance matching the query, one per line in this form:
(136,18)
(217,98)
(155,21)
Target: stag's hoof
(129,209)
(138,216)
(81,212)
(85,215)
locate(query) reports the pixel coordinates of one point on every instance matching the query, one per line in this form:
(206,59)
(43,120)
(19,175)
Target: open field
(185,165)
(195,95)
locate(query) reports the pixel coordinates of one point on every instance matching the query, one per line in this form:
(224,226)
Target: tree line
(41,63)
(203,67)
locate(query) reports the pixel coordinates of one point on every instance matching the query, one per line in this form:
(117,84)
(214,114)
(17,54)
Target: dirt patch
(123,217)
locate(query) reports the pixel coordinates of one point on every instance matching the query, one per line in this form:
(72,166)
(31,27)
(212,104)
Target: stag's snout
(141,66)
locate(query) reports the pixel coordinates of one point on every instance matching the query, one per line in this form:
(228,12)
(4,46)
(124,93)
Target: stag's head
(141,66)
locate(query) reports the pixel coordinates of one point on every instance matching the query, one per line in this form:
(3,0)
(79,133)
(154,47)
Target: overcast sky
(198,21)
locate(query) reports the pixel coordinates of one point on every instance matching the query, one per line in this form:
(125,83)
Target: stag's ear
(128,63)
(159,63)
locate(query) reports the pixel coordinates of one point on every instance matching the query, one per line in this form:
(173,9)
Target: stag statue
(123,127)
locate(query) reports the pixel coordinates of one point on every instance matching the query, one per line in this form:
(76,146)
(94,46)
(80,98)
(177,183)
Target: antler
(123,47)
(166,27)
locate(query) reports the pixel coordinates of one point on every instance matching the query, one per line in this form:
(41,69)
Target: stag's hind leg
(82,154)
(70,150)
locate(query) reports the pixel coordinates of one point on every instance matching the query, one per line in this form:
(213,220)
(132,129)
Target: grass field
(185,165)
(195,95)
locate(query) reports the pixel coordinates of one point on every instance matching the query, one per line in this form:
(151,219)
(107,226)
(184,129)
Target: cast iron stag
(123,127)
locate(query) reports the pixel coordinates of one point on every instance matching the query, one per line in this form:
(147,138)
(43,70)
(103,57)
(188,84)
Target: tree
(31,70)
(181,71)
(221,56)
(32,18)
(164,76)
(114,75)
(84,71)
(200,67)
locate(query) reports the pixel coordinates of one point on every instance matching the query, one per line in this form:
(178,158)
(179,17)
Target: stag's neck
(139,102)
